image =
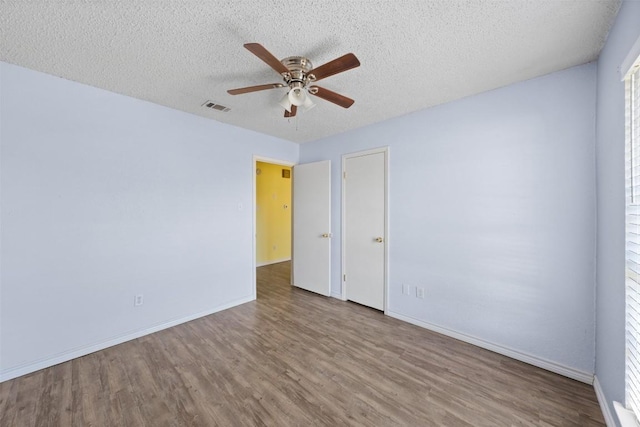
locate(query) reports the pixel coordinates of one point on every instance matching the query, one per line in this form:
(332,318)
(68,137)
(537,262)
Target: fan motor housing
(298,67)
(297,63)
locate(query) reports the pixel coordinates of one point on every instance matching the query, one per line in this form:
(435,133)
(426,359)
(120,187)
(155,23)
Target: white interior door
(312,227)
(364,228)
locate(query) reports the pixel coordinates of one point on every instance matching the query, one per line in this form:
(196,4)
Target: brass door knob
(326,235)
(379,239)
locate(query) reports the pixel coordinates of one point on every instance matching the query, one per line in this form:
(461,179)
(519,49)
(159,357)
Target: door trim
(254,163)
(345,157)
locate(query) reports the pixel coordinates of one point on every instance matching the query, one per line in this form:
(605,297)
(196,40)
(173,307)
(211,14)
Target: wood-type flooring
(293,358)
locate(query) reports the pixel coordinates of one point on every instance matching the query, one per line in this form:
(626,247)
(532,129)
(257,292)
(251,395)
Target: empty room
(409,213)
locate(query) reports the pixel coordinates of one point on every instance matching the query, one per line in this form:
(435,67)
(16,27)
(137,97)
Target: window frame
(632,236)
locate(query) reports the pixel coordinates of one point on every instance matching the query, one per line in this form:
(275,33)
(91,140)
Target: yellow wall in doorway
(273,214)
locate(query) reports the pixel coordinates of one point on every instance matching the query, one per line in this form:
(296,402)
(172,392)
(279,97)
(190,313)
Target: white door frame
(254,163)
(384,150)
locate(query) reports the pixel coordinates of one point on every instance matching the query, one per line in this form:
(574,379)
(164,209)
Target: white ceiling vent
(212,105)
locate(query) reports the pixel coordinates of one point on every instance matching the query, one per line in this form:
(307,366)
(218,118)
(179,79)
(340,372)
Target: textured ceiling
(414,54)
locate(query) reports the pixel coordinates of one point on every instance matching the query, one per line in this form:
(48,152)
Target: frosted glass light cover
(286,104)
(308,103)
(297,96)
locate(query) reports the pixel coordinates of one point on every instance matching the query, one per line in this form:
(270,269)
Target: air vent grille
(213,106)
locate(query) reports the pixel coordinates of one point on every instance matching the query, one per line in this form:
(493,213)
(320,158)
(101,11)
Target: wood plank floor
(293,358)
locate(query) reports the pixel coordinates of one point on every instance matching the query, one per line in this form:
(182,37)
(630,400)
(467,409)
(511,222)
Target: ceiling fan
(299,77)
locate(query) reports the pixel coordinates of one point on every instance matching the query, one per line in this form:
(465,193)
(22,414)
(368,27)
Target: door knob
(379,239)
(326,235)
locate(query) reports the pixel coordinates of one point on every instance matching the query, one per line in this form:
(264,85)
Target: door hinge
(344,175)
(344,277)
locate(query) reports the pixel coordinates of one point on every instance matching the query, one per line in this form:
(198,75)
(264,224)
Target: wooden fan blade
(293,112)
(254,88)
(331,96)
(338,65)
(262,53)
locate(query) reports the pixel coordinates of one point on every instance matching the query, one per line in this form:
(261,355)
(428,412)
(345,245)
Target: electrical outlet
(420,292)
(138,300)
(406,289)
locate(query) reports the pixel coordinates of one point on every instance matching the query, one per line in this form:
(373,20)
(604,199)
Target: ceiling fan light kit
(299,75)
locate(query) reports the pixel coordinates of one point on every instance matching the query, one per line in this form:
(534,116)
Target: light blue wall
(610,189)
(105,197)
(492,211)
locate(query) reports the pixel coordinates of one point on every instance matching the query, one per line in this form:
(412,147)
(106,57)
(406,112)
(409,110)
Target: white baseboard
(18,371)
(585,377)
(275,261)
(604,406)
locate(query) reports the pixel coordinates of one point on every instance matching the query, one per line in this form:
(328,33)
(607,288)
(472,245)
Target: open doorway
(272,225)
